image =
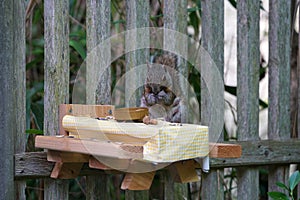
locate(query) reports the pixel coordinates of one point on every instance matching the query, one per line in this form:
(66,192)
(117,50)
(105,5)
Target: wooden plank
(96,164)
(67,164)
(91,147)
(64,170)
(265,152)
(255,153)
(175,15)
(98,72)
(279,82)
(212,28)
(184,171)
(220,150)
(56,87)
(137,16)
(7,108)
(93,111)
(121,151)
(248,56)
(137,181)
(66,157)
(20,86)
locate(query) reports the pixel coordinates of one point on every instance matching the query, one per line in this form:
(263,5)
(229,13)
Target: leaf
(294,180)
(283,186)
(78,47)
(278,196)
(35,131)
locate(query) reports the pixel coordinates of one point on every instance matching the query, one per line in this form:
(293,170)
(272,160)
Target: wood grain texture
(66,157)
(7,107)
(56,85)
(255,153)
(137,181)
(92,111)
(279,82)
(213,43)
(75,147)
(99,148)
(64,170)
(265,152)
(98,73)
(247,89)
(175,13)
(184,172)
(19,87)
(98,70)
(220,150)
(137,16)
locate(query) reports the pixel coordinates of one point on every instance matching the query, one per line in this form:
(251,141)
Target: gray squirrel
(160,89)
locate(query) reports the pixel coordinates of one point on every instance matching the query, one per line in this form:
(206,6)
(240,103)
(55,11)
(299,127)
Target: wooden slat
(255,153)
(139,181)
(265,152)
(121,151)
(67,164)
(248,56)
(98,59)
(96,164)
(20,86)
(63,170)
(219,150)
(184,171)
(56,87)
(92,111)
(213,42)
(7,108)
(137,16)
(175,14)
(279,82)
(100,148)
(66,157)
(98,75)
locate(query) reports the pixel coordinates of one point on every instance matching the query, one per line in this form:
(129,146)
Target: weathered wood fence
(277,154)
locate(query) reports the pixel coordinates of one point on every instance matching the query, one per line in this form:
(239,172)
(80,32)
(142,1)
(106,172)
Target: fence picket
(279,81)
(213,43)
(20,87)
(137,16)
(247,89)
(56,79)
(175,15)
(7,109)
(98,85)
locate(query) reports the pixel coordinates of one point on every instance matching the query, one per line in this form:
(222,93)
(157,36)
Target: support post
(213,43)
(279,82)
(7,107)
(56,79)
(247,89)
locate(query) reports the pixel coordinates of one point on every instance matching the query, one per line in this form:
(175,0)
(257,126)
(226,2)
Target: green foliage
(294,180)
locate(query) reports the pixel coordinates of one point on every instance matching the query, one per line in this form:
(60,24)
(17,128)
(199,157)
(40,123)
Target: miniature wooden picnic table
(88,135)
